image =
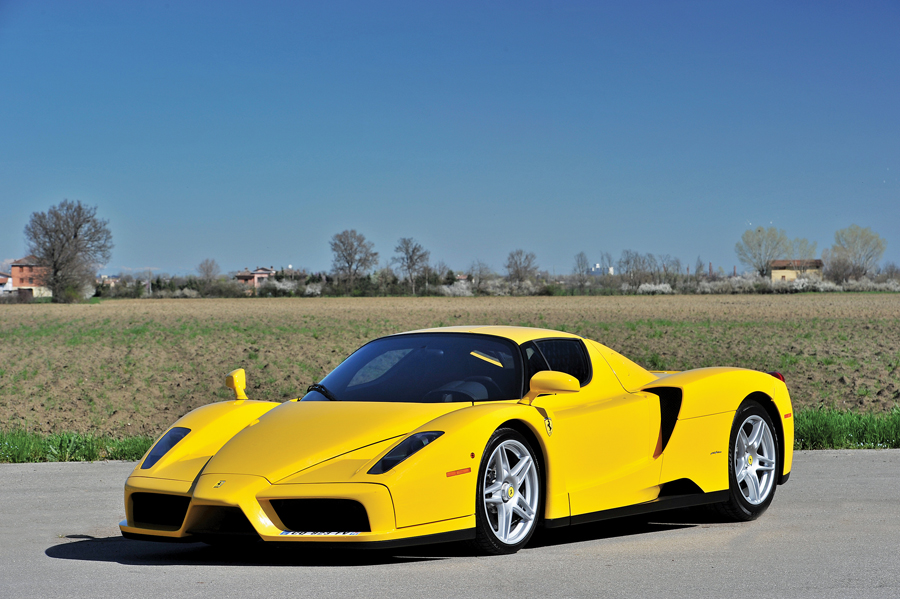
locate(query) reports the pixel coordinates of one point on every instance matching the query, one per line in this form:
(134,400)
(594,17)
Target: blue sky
(251,132)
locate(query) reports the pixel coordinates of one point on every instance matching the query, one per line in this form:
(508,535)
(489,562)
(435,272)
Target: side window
(534,361)
(567,355)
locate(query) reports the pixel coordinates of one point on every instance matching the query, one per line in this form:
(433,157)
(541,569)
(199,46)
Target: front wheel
(753,463)
(509,494)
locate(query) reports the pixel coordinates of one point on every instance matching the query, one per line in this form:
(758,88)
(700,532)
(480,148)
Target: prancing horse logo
(219,484)
(548,424)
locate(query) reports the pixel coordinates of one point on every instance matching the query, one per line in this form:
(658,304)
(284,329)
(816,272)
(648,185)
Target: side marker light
(788,415)
(458,472)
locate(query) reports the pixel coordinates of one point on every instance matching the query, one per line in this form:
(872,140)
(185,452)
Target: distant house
(254,277)
(27,274)
(6,285)
(788,270)
(107,280)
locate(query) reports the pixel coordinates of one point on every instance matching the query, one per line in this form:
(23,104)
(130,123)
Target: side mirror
(550,382)
(237,381)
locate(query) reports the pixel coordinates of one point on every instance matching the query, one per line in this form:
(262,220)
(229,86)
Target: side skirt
(657,505)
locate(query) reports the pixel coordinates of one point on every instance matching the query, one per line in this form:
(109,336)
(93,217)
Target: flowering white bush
(864,284)
(522,288)
(495,287)
(313,290)
(653,289)
(457,289)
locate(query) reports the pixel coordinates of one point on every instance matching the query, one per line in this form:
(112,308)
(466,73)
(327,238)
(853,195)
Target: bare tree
(521,266)
(802,252)
(209,270)
(480,273)
(637,268)
(856,251)
(582,271)
(71,243)
(671,268)
(384,279)
(758,247)
(353,256)
(412,259)
(890,271)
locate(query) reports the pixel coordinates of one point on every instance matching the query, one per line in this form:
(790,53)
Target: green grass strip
(837,429)
(20,446)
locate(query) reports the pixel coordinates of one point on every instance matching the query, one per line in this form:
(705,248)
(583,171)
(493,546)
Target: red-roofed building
(788,270)
(28,274)
(254,277)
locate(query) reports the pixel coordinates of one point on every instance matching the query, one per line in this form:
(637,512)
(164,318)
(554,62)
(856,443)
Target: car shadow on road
(148,553)
(660,522)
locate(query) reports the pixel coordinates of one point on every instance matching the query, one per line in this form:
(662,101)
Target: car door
(607,435)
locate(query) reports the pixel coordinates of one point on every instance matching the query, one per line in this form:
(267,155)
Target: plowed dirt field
(134,366)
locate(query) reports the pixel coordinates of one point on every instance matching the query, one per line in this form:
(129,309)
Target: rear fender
(707,391)
(710,396)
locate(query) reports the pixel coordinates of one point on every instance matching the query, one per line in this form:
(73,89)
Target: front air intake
(215,521)
(322,515)
(159,510)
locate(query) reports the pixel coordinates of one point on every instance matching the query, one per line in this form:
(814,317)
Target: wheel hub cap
(755,460)
(511,492)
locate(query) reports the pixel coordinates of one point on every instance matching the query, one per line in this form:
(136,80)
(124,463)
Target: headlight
(163,446)
(406,448)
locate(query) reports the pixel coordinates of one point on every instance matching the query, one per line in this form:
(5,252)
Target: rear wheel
(509,494)
(753,463)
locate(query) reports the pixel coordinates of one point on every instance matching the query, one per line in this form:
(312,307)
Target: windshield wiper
(323,390)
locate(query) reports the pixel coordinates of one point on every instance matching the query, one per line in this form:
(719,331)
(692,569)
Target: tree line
(72,243)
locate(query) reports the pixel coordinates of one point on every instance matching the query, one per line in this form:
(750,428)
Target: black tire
(511,496)
(755,461)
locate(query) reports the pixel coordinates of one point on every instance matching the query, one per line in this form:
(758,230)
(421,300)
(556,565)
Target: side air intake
(669,407)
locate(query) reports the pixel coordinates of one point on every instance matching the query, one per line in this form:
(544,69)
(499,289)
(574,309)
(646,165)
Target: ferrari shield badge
(219,484)
(548,424)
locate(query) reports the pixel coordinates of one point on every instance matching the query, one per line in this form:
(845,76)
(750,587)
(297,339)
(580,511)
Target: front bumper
(242,505)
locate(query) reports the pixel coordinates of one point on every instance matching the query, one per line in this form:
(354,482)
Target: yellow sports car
(478,432)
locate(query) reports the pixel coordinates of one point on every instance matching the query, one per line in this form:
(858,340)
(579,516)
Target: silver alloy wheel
(511,492)
(754,460)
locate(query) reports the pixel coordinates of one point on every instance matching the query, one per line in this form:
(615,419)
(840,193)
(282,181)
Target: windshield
(426,368)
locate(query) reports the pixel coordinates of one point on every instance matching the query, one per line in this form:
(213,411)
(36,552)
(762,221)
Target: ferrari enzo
(478,432)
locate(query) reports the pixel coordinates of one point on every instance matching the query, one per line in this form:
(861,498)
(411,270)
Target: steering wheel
(448,396)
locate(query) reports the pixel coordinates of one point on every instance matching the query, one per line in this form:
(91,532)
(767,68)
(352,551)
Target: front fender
(440,482)
(211,427)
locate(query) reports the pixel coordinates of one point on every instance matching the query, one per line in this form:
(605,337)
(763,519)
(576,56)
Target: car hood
(297,435)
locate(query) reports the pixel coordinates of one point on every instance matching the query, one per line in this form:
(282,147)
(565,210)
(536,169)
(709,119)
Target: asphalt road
(832,531)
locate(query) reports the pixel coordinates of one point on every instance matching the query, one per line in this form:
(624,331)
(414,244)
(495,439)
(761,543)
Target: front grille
(322,515)
(156,509)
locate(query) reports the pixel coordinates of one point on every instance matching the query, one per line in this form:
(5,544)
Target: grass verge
(814,429)
(19,446)
(838,429)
